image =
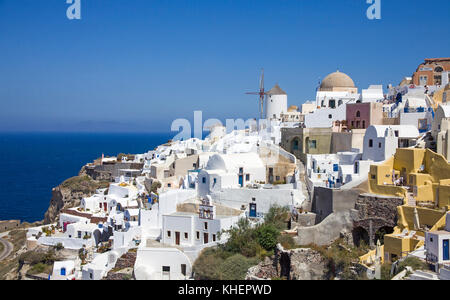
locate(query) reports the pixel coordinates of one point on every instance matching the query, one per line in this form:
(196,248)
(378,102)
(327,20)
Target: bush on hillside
(277,216)
(235,267)
(267,236)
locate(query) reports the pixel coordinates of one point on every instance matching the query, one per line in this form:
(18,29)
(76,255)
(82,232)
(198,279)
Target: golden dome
(336,80)
(293,108)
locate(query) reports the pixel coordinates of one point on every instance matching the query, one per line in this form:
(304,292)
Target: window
(353,123)
(90,275)
(439,69)
(313,144)
(241,170)
(215,180)
(168,234)
(379,145)
(204,179)
(373,176)
(79,234)
(396,133)
(63,271)
(335,168)
(358,114)
(214,237)
(205,226)
(198,235)
(186,235)
(169,185)
(332,103)
(247,177)
(358,124)
(370,143)
(183,269)
(330,116)
(364,124)
(166,269)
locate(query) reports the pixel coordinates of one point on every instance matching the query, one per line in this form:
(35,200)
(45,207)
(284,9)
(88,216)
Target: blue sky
(136,65)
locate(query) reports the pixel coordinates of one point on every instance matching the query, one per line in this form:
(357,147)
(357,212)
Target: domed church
(336,88)
(338,82)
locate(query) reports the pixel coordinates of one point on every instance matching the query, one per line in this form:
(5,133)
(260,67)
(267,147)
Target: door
(205,238)
(445,248)
(252,210)
(177,238)
(241,180)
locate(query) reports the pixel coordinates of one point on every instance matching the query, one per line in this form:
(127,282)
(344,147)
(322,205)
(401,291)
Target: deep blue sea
(33,163)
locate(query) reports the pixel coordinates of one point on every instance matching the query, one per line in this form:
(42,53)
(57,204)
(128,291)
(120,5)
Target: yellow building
(422,178)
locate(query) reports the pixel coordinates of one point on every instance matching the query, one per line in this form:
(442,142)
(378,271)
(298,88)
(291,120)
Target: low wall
(264,198)
(327,231)
(69,243)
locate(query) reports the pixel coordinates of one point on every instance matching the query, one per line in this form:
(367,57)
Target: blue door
(252,210)
(241,180)
(445,248)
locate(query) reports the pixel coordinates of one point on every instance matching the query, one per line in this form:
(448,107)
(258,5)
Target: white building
(336,170)
(230,171)
(64,270)
(437,245)
(381,142)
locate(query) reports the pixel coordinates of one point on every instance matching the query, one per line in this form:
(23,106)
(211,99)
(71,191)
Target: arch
(358,114)
(381,232)
(438,69)
(360,235)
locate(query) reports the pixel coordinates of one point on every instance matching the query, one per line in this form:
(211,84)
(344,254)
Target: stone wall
(375,212)
(296,264)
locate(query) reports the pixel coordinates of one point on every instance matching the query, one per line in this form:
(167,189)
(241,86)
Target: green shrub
(207,264)
(267,236)
(40,268)
(277,216)
(235,267)
(413,262)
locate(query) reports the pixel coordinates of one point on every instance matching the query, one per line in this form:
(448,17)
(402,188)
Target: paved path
(8,248)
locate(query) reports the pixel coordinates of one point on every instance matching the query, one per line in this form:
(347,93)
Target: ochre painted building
(426,194)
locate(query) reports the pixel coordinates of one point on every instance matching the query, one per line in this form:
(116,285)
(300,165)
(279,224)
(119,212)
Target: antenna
(262,93)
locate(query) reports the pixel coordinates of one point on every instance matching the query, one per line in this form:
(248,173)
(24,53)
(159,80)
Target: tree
(277,216)
(267,236)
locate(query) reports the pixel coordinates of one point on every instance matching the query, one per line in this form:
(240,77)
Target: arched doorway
(379,235)
(360,235)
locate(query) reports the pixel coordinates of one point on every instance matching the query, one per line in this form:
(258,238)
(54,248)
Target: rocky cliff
(69,194)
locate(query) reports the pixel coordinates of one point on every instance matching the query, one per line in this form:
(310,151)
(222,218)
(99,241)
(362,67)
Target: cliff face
(69,194)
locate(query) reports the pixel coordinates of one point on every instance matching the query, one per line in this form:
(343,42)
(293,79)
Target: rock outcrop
(69,194)
(295,264)
(334,226)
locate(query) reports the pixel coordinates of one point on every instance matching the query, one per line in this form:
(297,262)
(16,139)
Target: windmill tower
(262,93)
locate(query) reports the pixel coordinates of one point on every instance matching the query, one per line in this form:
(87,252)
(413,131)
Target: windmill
(262,93)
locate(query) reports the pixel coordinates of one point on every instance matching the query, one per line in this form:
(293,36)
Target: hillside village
(360,170)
